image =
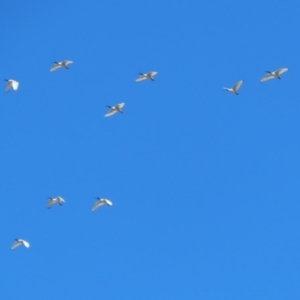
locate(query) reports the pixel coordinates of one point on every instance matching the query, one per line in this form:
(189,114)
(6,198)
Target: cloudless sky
(204,183)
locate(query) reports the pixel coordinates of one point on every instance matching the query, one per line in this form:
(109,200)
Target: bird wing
(67,62)
(50,202)
(55,67)
(8,85)
(107,202)
(152,73)
(60,199)
(15,84)
(97,204)
(237,85)
(26,244)
(267,77)
(111,112)
(280,71)
(120,105)
(141,78)
(16,244)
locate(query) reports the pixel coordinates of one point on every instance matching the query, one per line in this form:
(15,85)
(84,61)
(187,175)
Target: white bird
(11,84)
(145,76)
(101,202)
(57,200)
(275,74)
(19,242)
(62,64)
(114,109)
(235,88)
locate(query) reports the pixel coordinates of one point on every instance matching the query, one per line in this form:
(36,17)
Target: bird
(146,76)
(235,88)
(58,200)
(275,74)
(19,242)
(62,64)
(11,84)
(114,109)
(101,202)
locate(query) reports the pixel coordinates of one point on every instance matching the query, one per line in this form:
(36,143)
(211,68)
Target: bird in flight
(114,109)
(19,242)
(62,64)
(101,202)
(145,76)
(57,200)
(11,84)
(275,74)
(235,88)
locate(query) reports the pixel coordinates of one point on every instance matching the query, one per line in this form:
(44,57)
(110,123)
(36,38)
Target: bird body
(19,242)
(235,88)
(101,202)
(62,64)
(57,200)
(11,84)
(275,74)
(114,109)
(145,76)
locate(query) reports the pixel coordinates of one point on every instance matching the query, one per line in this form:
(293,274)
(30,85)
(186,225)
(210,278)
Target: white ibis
(19,242)
(145,76)
(62,64)
(11,84)
(275,74)
(101,202)
(235,88)
(57,200)
(114,109)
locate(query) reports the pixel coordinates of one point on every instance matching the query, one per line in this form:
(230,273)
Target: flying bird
(19,242)
(114,109)
(145,76)
(62,64)
(101,202)
(11,84)
(235,88)
(57,200)
(275,74)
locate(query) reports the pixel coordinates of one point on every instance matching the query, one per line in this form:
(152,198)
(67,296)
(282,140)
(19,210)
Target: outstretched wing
(141,78)
(267,77)
(152,73)
(50,203)
(111,112)
(67,62)
(26,244)
(8,85)
(97,205)
(107,202)
(15,245)
(238,85)
(55,67)
(15,85)
(281,71)
(120,105)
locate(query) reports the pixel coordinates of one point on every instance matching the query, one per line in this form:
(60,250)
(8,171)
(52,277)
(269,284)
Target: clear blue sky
(205,184)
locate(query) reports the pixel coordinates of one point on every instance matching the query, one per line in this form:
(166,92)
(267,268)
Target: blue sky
(205,184)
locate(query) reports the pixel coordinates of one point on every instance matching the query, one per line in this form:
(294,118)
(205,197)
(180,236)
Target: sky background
(204,183)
